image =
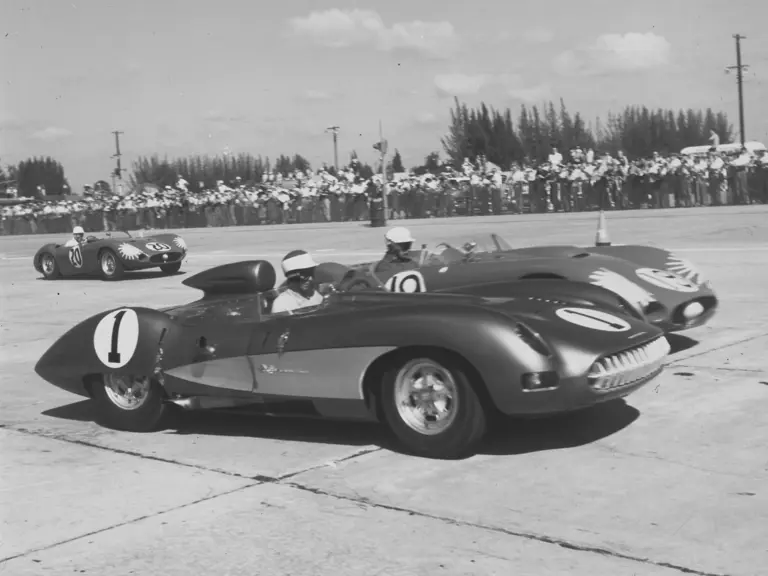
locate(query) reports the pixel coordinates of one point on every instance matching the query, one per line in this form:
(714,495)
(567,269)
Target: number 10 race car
(110,257)
(435,368)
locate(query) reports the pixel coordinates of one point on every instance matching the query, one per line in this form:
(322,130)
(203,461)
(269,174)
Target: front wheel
(110,266)
(49,266)
(431,407)
(171,268)
(131,403)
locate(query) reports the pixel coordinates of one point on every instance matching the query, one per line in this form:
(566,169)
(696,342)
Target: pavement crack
(717,368)
(62,438)
(361,501)
(716,349)
(128,522)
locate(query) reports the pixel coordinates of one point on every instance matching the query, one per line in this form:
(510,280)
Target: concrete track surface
(673,481)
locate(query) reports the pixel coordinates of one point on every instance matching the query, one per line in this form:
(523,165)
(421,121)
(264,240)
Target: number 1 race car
(651,282)
(435,368)
(111,257)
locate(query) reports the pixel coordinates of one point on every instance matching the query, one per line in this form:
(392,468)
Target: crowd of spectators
(580,180)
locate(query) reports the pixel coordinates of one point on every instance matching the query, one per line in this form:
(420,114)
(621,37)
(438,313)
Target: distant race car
(652,283)
(435,368)
(111,257)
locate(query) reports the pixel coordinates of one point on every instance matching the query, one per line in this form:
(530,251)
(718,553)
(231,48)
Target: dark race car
(657,285)
(435,368)
(111,257)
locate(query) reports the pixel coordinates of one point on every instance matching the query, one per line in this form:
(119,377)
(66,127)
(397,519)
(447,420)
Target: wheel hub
(127,392)
(426,396)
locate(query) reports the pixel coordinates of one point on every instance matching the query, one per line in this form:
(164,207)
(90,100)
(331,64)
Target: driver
(299,269)
(78,237)
(397,257)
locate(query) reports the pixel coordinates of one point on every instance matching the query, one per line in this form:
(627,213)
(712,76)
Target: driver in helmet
(299,269)
(78,237)
(397,257)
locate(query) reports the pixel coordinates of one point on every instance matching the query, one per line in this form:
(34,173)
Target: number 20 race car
(111,257)
(435,368)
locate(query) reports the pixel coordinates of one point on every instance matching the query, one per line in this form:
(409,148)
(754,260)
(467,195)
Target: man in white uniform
(299,269)
(77,237)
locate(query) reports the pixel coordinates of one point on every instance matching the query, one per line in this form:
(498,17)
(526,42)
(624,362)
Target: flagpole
(384,187)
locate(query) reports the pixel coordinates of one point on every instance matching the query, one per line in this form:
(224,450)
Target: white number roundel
(116,337)
(409,282)
(666,279)
(76,257)
(158,246)
(594,319)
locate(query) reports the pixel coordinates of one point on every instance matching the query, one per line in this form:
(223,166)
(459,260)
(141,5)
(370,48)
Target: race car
(111,257)
(667,291)
(434,368)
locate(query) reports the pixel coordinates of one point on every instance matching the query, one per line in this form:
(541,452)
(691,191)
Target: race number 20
(116,337)
(409,282)
(76,257)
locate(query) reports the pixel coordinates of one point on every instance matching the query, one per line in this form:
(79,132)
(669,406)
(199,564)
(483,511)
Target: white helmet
(398,235)
(78,230)
(297,260)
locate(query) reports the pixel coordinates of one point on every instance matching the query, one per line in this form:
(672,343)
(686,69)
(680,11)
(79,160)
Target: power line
(740,81)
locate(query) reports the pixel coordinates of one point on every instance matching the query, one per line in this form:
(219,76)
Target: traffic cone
(601,238)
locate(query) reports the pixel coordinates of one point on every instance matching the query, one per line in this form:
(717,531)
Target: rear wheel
(431,407)
(171,268)
(49,266)
(132,403)
(110,265)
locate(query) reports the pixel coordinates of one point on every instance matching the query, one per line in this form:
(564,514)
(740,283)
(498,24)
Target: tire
(110,266)
(149,413)
(49,266)
(171,268)
(463,427)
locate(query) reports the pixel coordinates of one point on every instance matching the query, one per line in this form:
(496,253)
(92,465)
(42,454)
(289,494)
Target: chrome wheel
(108,263)
(127,392)
(47,264)
(426,396)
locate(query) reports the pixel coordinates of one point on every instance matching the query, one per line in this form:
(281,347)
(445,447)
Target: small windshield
(447,252)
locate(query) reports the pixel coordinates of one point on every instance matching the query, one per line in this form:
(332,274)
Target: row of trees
(28,174)
(485,131)
(636,130)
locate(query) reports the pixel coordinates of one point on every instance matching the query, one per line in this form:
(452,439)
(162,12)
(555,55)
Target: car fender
(128,340)
(50,247)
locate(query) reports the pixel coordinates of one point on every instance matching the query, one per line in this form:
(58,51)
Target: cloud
(614,54)
(538,35)
(427,119)
(51,134)
(317,95)
(470,84)
(346,28)
(530,94)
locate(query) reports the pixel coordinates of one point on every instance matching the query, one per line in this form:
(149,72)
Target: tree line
(636,130)
(472,132)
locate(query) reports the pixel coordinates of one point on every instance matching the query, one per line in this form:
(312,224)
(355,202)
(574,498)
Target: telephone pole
(740,81)
(118,171)
(335,131)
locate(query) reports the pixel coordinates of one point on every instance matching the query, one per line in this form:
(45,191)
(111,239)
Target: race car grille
(629,366)
(159,258)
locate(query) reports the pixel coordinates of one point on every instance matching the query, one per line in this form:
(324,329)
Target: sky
(188,77)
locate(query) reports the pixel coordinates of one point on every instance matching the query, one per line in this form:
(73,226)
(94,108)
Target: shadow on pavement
(680,343)
(129,275)
(508,437)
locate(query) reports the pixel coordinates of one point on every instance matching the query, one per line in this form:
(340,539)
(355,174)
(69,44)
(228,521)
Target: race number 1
(409,282)
(116,337)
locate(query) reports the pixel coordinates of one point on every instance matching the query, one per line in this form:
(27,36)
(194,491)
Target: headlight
(532,339)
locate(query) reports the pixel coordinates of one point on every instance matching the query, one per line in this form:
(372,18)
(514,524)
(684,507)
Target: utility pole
(117,173)
(740,81)
(335,131)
